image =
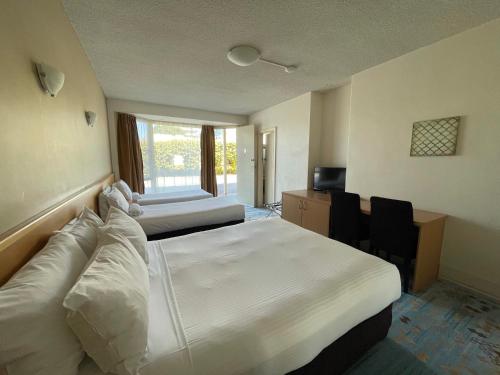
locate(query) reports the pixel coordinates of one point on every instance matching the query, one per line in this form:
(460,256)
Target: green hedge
(165,152)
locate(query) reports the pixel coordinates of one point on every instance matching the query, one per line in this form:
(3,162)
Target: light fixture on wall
(91,118)
(51,79)
(248,55)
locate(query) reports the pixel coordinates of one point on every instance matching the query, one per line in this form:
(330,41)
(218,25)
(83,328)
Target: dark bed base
(346,350)
(182,232)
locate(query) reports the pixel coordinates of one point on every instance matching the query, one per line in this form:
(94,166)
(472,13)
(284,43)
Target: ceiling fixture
(247,55)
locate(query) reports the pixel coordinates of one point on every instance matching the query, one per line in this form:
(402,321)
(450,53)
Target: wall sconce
(91,118)
(51,79)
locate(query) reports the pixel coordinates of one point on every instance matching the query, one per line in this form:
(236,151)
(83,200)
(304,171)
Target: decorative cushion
(135,210)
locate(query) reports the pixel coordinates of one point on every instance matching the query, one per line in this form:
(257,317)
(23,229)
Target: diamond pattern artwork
(435,137)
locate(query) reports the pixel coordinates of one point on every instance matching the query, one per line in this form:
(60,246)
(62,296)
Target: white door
(245,150)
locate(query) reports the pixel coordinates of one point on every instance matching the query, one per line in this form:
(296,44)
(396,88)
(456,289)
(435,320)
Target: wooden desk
(311,210)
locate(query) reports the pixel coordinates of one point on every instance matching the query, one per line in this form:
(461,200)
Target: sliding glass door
(225,161)
(171,156)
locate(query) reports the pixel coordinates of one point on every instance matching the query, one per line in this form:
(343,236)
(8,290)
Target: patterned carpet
(444,330)
(253,213)
(450,329)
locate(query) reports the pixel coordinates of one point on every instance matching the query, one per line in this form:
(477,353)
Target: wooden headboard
(19,245)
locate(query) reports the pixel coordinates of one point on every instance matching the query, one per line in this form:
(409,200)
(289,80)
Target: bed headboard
(20,244)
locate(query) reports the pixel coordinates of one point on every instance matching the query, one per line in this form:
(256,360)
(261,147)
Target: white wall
(291,120)
(335,128)
(47,151)
(315,131)
(457,76)
(127,106)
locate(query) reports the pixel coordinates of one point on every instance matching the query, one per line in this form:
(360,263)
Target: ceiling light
(247,55)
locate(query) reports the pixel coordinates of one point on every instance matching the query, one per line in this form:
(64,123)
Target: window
(171,156)
(225,160)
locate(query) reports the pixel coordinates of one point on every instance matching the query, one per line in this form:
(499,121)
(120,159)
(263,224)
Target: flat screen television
(326,178)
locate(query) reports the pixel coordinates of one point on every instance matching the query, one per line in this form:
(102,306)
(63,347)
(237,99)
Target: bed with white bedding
(172,197)
(263,297)
(166,218)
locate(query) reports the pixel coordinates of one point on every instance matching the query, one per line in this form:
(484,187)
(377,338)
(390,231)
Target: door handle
(300,205)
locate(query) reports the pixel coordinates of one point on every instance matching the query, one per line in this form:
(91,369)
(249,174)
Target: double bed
(263,297)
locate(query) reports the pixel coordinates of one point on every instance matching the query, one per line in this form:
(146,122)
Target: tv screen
(326,178)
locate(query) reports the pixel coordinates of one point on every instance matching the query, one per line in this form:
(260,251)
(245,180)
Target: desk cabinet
(308,213)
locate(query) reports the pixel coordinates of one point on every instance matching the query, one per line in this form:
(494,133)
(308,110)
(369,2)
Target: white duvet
(263,297)
(162,218)
(172,197)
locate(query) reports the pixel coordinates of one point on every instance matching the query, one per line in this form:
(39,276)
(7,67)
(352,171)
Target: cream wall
(335,129)
(128,106)
(47,151)
(315,130)
(457,76)
(291,120)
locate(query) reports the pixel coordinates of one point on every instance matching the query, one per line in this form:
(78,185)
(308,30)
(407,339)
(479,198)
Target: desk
(311,210)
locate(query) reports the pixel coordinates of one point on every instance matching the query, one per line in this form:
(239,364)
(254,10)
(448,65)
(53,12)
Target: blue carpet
(444,330)
(389,358)
(253,213)
(450,329)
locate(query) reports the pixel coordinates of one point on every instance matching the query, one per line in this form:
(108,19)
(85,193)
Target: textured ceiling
(174,52)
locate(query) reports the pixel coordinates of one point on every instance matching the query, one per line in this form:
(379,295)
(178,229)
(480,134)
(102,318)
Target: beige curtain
(208,177)
(129,152)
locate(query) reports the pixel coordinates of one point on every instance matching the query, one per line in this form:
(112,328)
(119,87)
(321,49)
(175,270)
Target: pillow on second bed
(124,189)
(116,199)
(108,305)
(128,227)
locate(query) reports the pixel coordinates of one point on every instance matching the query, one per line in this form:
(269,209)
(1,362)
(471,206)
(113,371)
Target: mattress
(262,297)
(163,218)
(177,196)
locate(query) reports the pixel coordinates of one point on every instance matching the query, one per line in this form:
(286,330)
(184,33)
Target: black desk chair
(345,218)
(392,231)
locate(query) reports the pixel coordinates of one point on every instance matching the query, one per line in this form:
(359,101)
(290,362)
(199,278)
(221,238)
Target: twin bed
(262,297)
(165,215)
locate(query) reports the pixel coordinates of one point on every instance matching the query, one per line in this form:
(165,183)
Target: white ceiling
(174,52)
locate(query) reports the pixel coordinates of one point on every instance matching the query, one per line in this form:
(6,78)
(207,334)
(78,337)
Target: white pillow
(124,189)
(136,197)
(116,199)
(108,306)
(85,230)
(103,202)
(34,336)
(135,210)
(128,227)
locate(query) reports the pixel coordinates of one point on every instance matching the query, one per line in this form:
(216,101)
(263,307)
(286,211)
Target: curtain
(207,145)
(129,152)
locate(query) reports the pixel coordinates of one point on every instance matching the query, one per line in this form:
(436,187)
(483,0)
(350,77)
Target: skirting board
(472,282)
